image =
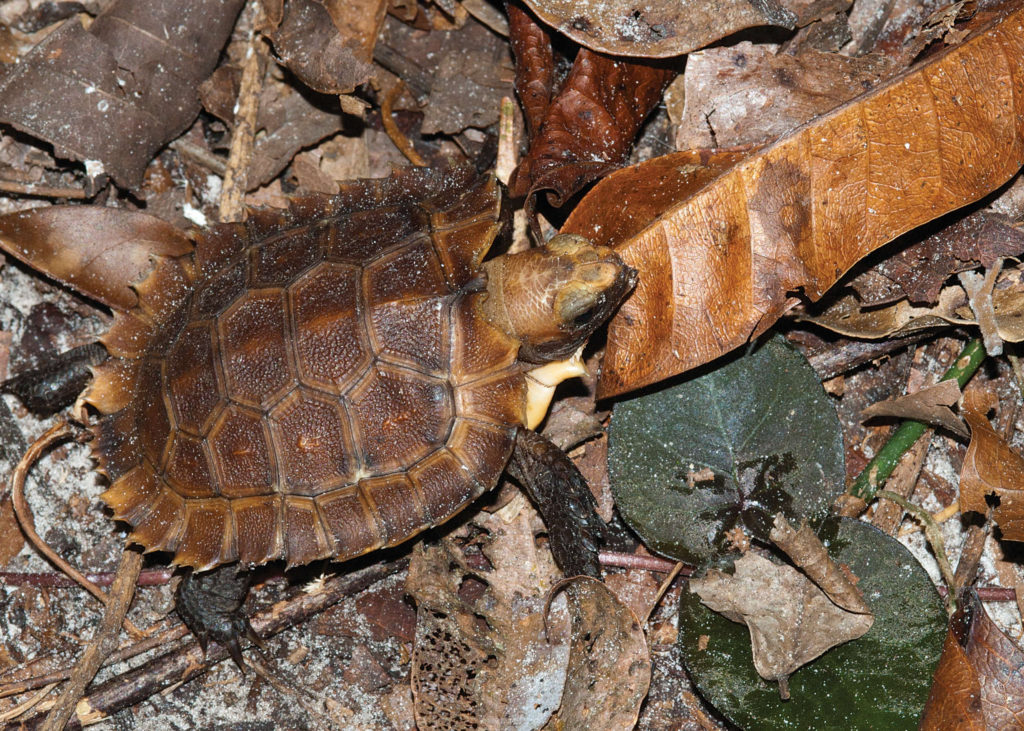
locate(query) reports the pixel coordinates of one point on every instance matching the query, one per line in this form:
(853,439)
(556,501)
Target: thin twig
(27,705)
(236,174)
(402,142)
(102,644)
(661,591)
(633,561)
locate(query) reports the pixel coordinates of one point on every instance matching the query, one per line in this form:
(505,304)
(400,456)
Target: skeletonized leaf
(99,252)
(929,405)
(717,266)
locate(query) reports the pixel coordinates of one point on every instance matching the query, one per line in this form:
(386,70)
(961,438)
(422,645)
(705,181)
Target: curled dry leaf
(930,405)
(662,28)
(750,93)
(100,252)
(716,265)
(991,468)
(329,43)
(979,297)
(119,91)
(978,683)
(609,669)
(586,129)
(807,552)
(791,620)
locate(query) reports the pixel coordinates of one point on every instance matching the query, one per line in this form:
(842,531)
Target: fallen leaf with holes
(991,467)
(930,405)
(480,654)
(609,662)
(791,620)
(748,94)
(588,125)
(661,28)
(117,92)
(717,264)
(979,683)
(328,44)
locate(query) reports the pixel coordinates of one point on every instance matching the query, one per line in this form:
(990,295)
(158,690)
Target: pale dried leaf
(930,405)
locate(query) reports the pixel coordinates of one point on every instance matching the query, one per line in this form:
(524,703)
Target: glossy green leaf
(880,681)
(761,423)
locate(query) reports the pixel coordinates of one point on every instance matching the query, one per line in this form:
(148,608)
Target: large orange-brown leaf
(717,262)
(99,252)
(978,683)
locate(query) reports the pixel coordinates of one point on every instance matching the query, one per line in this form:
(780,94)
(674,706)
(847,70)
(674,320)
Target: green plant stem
(878,469)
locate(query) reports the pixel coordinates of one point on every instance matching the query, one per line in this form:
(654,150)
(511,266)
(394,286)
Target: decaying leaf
(979,298)
(98,251)
(791,620)
(481,656)
(609,664)
(589,124)
(918,271)
(717,265)
(979,683)
(748,94)
(134,70)
(661,28)
(808,554)
(930,405)
(991,467)
(329,43)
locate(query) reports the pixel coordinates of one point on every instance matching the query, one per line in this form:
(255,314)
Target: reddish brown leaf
(662,28)
(978,683)
(717,266)
(587,129)
(100,252)
(992,468)
(930,405)
(535,65)
(117,92)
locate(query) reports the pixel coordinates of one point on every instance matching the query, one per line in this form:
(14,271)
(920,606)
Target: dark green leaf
(761,423)
(879,681)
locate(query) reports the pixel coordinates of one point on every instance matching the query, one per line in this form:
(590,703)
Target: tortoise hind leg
(57,382)
(210,605)
(564,500)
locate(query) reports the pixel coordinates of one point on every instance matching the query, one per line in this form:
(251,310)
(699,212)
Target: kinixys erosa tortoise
(325,381)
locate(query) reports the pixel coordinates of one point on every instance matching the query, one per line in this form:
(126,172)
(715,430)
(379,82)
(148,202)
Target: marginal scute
(113,386)
(116,444)
(350,522)
(498,398)
(304,535)
(479,445)
(259,529)
(400,508)
(445,484)
(207,523)
(162,524)
(131,495)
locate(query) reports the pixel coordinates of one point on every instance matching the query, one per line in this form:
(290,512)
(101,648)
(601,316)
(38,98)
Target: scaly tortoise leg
(58,382)
(564,500)
(210,605)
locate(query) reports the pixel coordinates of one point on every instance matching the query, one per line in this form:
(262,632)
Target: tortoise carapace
(319,382)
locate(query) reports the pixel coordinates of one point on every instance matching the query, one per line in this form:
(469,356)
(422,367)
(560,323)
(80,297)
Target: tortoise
(319,382)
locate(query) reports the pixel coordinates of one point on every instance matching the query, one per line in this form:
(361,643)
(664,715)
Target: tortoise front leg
(210,605)
(564,500)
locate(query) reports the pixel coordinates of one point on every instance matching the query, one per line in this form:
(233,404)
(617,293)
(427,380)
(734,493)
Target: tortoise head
(552,298)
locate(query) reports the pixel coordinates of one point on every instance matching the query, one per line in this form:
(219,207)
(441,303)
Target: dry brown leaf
(115,93)
(329,43)
(791,620)
(808,554)
(930,405)
(979,298)
(609,670)
(661,28)
(100,252)
(750,93)
(978,683)
(716,265)
(992,467)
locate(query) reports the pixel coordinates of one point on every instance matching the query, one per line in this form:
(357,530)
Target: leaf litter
(300,157)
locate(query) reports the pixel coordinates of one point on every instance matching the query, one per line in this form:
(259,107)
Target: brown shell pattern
(326,387)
